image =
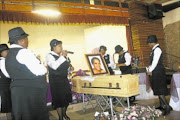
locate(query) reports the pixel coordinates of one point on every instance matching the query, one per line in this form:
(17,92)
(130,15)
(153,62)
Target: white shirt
(3,68)
(28,58)
(127,57)
(111,64)
(52,62)
(157,54)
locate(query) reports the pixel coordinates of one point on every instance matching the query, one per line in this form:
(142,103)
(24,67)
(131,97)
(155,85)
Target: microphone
(70,52)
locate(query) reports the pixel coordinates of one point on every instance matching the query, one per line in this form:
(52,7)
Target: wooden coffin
(109,85)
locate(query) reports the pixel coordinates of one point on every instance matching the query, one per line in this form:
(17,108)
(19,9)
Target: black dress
(59,85)
(5,93)
(158,78)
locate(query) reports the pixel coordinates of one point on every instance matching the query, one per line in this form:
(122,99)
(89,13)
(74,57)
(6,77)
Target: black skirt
(29,103)
(158,82)
(5,95)
(60,91)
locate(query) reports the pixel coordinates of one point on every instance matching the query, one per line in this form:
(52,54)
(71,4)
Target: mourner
(5,94)
(156,71)
(28,86)
(58,66)
(124,63)
(109,61)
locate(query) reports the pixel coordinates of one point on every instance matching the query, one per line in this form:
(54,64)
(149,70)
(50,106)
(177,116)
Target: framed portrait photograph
(96,64)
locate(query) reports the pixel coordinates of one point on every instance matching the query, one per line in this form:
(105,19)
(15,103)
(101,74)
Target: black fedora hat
(55,42)
(118,49)
(3,47)
(152,39)
(16,34)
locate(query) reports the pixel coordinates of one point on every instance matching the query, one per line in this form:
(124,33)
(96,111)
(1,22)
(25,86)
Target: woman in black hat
(109,61)
(5,94)
(58,66)
(28,85)
(124,63)
(156,71)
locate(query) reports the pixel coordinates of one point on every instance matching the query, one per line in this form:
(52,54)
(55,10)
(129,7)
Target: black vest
(106,58)
(20,74)
(124,69)
(160,62)
(62,70)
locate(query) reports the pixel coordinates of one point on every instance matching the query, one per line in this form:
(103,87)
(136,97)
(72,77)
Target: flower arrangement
(138,112)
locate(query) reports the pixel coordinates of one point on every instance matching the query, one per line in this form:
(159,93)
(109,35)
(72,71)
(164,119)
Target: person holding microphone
(59,65)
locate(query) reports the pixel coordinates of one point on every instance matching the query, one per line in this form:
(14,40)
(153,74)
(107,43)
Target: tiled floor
(89,114)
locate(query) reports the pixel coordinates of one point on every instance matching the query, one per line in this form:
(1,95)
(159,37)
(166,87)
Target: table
(145,88)
(175,92)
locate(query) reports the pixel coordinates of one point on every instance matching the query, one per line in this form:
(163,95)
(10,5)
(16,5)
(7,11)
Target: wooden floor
(89,114)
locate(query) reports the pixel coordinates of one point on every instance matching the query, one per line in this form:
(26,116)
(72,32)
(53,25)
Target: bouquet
(138,112)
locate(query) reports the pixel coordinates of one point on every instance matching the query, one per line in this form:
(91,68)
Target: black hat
(55,42)
(16,34)
(3,47)
(118,49)
(152,39)
(102,47)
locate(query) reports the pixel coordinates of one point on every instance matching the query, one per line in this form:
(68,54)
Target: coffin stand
(108,85)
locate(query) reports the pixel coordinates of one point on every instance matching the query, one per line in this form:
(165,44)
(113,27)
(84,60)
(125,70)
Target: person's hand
(64,53)
(149,73)
(72,68)
(118,65)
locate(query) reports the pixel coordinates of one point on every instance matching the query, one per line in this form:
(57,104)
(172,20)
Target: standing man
(5,94)
(58,66)
(124,63)
(109,61)
(28,86)
(156,71)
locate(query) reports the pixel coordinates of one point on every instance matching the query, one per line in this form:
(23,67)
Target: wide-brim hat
(55,42)
(152,39)
(16,34)
(3,47)
(118,49)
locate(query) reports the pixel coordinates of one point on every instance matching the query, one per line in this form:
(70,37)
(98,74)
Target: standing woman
(5,94)
(156,71)
(58,66)
(28,85)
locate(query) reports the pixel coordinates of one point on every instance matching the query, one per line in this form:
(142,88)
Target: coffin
(109,85)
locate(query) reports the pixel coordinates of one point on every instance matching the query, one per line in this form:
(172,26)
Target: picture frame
(97,64)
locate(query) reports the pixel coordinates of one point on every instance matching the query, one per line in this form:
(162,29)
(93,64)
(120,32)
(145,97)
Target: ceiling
(151,1)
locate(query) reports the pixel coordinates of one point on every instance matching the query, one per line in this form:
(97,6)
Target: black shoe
(66,117)
(166,111)
(160,108)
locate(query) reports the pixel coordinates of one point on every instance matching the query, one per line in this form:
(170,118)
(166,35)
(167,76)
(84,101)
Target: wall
(171,24)
(141,28)
(75,38)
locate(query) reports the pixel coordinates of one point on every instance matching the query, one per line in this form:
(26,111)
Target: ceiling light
(47,12)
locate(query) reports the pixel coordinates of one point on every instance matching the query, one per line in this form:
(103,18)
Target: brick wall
(141,28)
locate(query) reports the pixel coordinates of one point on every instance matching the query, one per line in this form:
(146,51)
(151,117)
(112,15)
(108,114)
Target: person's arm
(3,68)
(53,63)
(156,57)
(28,58)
